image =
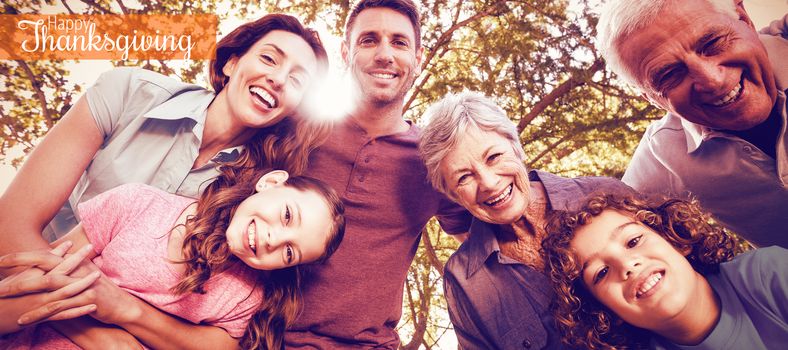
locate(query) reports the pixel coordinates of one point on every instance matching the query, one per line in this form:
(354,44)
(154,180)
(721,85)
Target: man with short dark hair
(371,159)
(724,138)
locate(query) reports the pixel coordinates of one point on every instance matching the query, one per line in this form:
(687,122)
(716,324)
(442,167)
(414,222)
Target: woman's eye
(289,252)
(600,275)
(634,241)
(267,59)
(296,81)
(287,215)
(494,156)
(463,179)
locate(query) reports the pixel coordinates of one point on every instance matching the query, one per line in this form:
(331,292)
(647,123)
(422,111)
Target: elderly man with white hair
(724,87)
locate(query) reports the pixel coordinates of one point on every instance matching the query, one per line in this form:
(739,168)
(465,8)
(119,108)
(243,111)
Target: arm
(152,326)
(46,179)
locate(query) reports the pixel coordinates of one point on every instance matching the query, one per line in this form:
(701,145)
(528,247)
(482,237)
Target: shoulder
(138,78)
(568,193)
(754,265)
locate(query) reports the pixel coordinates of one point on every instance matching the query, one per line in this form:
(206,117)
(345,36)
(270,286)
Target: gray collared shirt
(152,127)
(743,187)
(496,302)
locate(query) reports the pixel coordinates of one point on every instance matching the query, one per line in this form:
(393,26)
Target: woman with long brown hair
(136,126)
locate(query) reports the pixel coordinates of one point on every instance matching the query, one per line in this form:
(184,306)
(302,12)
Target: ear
(229,66)
(651,100)
(345,51)
(271,179)
(743,16)
(419,56)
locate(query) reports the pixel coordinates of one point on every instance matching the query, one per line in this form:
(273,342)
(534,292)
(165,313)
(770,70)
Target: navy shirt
(496,302)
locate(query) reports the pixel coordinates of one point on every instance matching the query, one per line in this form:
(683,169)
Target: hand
(777,27)
(44,291)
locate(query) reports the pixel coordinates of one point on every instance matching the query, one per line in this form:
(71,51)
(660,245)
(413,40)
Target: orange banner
(116,37)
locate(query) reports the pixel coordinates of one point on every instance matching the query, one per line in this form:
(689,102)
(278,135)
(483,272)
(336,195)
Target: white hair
(450,118)
(619,18)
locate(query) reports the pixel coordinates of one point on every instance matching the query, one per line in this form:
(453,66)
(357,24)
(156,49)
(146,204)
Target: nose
(384,54)
(273,239)
(277,78)
(488,180)
(706,76)
(630,267)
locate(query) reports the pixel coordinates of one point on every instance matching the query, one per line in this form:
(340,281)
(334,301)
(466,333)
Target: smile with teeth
(383,75)
(650,282)
(731,96)
(264,96)
(501,197)
(251,231)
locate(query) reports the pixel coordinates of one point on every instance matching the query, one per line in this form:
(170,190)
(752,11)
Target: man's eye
(289,252)
(600,275)
(366,41)
(634,241)
(670,79)
(714,46)
(400,43)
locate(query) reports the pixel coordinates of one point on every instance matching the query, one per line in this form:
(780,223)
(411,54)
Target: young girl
(197,260)
(632,274)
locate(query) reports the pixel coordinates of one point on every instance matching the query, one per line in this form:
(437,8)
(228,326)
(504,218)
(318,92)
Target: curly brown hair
(584,321)
(206,252)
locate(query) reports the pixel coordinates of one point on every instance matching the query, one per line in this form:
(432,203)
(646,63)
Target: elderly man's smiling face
(705,66)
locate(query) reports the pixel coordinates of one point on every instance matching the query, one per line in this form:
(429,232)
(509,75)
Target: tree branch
(444,39)
(39,93)
(560,90)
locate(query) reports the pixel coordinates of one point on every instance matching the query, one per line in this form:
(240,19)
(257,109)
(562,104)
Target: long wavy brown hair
(585,322)
(287,143)
(206,252)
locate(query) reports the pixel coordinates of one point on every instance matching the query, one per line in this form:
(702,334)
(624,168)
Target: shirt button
(527,344)
(366,160)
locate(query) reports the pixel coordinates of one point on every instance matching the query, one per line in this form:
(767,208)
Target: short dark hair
(405,7)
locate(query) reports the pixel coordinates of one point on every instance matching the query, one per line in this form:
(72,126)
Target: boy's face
(634,271)
(382,55)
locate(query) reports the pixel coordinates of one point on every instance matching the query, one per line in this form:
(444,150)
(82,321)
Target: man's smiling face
(702,65)
(382,55)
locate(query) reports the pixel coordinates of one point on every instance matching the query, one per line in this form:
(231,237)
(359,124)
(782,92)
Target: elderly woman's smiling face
(484,175)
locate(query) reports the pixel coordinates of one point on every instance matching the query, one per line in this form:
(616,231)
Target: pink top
(129,227)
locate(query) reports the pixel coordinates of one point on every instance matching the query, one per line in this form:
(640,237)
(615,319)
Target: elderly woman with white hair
(497,293)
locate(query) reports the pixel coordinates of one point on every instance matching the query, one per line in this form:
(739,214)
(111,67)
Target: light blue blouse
(152,127)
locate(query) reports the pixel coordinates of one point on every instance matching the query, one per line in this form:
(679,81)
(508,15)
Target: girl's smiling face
(279,226)
(635,272)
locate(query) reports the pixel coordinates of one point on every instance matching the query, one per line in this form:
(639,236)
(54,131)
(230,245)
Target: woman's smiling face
(484,175)
(269,81)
